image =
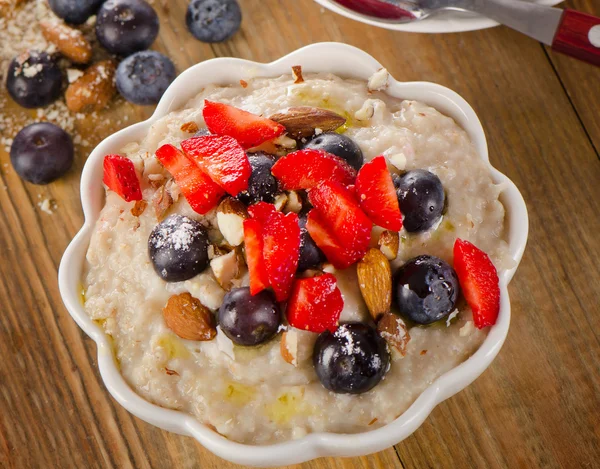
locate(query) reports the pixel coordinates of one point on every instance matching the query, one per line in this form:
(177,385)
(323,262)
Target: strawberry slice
(262,211)
(479,282)
(120,176)
(339,256)
(248,129)
(305,169)
(315,304)
(222,158)
(253,243)
(377,195)
(199,190)
(338,209)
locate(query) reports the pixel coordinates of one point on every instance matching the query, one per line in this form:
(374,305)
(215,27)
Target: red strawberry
(253,243)
(200,191)
(377,195)
(315,304)
(305,169)
(344,219)
(120,176)
(248,129)
(339,256)
(479,282)
(222,158)
(262,211)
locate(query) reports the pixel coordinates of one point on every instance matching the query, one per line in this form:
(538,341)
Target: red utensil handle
(578,35)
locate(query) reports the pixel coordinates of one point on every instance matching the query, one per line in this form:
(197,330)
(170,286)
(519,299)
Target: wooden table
(537,406)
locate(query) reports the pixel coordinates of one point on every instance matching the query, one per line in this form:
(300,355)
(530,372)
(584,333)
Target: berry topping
(377,195)
(338,145)
(75,11)
(178,248)
(33,79)
(143,77)
(199,190)
(421,197)
(248,129)
(315,304)
(352,360)
(305,169)
(426,289)
(262,185)
(41,153)
(479,282)
(249,319)
(120,176)
(213,20)
(126,26)
(310,254)
(253,244)
(222,158)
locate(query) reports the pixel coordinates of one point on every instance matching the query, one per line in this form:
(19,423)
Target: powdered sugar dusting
(176,232)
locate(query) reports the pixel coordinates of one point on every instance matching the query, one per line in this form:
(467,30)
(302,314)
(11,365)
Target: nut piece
(297,74)
(190,127)
(389,243)
(161,201)
(289,347)
(301,122)
(375,282)
(69,41)
(379,80)
(139,208)
(227,268)
(394,331)
(188,318)
(231,214)
(280,201)
(294,202)
(92,91)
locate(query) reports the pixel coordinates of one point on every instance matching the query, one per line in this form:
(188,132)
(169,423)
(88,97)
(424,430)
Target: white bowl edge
(346,61)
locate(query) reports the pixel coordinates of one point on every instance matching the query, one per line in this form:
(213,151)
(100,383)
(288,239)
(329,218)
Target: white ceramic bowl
(345,61)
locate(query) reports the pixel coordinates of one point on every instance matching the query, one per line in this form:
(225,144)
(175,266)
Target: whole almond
(301,122)
(188,318)
(375,282)
(389,243)
(392,328)
(94,89)
(161,201)
(69,41)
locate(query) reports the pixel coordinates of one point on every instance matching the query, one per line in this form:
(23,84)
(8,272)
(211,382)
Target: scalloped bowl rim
(346,61)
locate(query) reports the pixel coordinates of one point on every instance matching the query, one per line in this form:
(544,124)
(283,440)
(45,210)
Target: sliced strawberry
(338,255)
(120,176)
(341,214)
(253,243)
(199,190)
(479,282)
(248,129)
(305,169)
(262,211)
(315,304)
(377,195)
(222,158)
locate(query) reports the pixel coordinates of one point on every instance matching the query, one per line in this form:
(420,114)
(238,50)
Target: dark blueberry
(178,248)
(143,77)
(249,319)
(262,185)
(352,360)
(426,289)
(126,26)
(310,254)
(202,133)
(339,145)
(34,79)
(75,11)
(41,153)
(421,197)
(213,20)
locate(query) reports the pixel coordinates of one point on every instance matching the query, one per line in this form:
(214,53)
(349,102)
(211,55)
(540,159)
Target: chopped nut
(139,208)
(398,160)
(297,74)
(294,202)
(189,127)
(244,83)
(389,243)
(161,201)
(231,214)
(171,372)
(69,41)
(226,268)
(379,80)
(375,282)
(94,89)
(289,347)
(392,328)
(280,201)
(301,122)
(188,318)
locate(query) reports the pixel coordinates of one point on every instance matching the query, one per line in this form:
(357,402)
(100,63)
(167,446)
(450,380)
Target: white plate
(443,22)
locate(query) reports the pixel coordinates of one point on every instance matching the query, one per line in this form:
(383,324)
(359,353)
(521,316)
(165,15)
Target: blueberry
(352,360)
(421,197)
(426,289)
(34,80)
(143,77)
(126,26)
(178,248)
(249,319)
(213,20)
(41,153)
(75,11)
(339,145)
(202,133)
(310,254)
(262,185)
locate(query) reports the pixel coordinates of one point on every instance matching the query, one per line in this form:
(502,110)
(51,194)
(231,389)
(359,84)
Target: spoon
(568,31)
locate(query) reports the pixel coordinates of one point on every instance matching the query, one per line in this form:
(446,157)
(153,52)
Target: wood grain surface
(537,406)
